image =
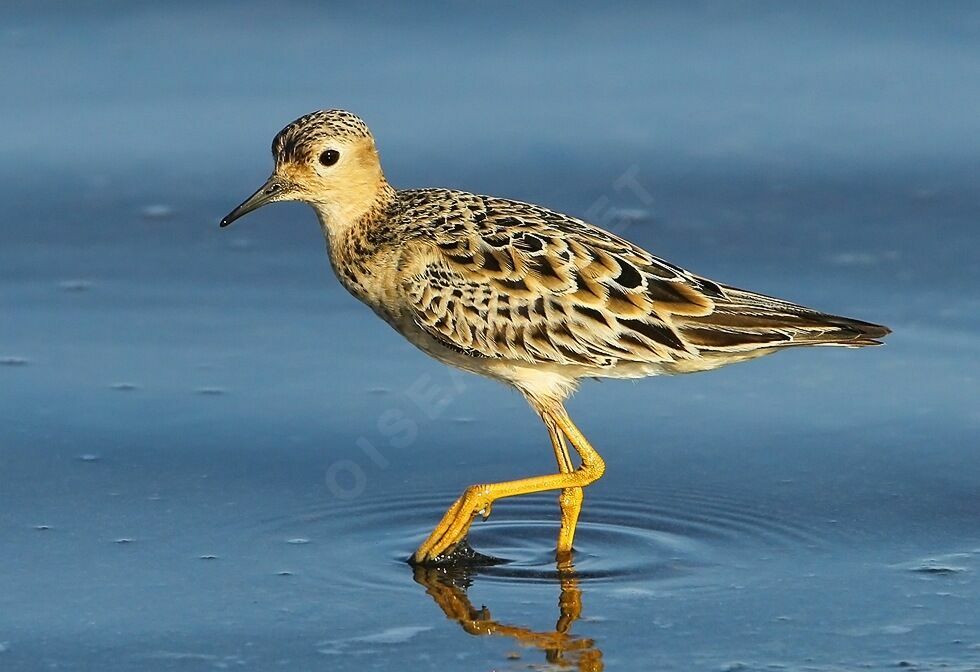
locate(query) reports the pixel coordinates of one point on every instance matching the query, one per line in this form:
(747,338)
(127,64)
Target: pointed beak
(274,189)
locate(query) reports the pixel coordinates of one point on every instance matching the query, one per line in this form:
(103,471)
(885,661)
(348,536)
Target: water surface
(211,457)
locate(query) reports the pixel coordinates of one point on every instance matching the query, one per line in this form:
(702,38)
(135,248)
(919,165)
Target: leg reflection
(447,586)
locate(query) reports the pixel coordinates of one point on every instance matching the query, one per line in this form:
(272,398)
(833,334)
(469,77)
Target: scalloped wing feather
(516,281)
(506,279)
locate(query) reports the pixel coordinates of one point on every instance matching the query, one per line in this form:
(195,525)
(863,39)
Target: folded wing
(504,279)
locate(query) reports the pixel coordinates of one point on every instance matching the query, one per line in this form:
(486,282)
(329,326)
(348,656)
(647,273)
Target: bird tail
(743,320)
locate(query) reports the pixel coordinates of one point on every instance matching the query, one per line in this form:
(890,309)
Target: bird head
(327,159)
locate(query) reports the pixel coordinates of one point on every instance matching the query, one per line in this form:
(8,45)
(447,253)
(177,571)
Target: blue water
(211,457)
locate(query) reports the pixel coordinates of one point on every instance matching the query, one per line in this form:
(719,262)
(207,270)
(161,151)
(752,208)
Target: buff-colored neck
(360,206)
(348,218)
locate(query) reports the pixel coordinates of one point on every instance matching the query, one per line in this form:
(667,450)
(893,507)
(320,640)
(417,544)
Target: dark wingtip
(873,331)
(861,333)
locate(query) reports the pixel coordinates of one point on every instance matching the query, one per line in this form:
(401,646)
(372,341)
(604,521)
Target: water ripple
(637,535)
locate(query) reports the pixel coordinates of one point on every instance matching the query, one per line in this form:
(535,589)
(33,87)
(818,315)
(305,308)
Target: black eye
(329,157)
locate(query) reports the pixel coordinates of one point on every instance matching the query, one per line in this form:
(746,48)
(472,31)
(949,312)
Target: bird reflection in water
(448,585)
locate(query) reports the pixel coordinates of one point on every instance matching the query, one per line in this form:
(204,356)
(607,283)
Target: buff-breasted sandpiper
(528,296)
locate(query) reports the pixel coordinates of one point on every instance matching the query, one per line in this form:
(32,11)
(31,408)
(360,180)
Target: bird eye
(329,157)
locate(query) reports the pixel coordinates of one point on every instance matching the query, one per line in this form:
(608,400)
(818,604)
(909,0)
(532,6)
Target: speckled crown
(294,142)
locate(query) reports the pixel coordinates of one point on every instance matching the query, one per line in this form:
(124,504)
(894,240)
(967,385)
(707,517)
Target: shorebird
(528,296)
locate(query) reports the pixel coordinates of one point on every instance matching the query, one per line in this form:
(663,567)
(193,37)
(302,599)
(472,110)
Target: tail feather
(744,320)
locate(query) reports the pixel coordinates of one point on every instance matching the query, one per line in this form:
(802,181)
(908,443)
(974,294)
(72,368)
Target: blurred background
(211,456)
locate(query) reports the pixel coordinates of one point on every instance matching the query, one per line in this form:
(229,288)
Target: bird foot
(459,555)
(475,501)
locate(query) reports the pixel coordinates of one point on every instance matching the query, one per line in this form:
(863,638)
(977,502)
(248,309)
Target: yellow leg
(477,499)
(570,499)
